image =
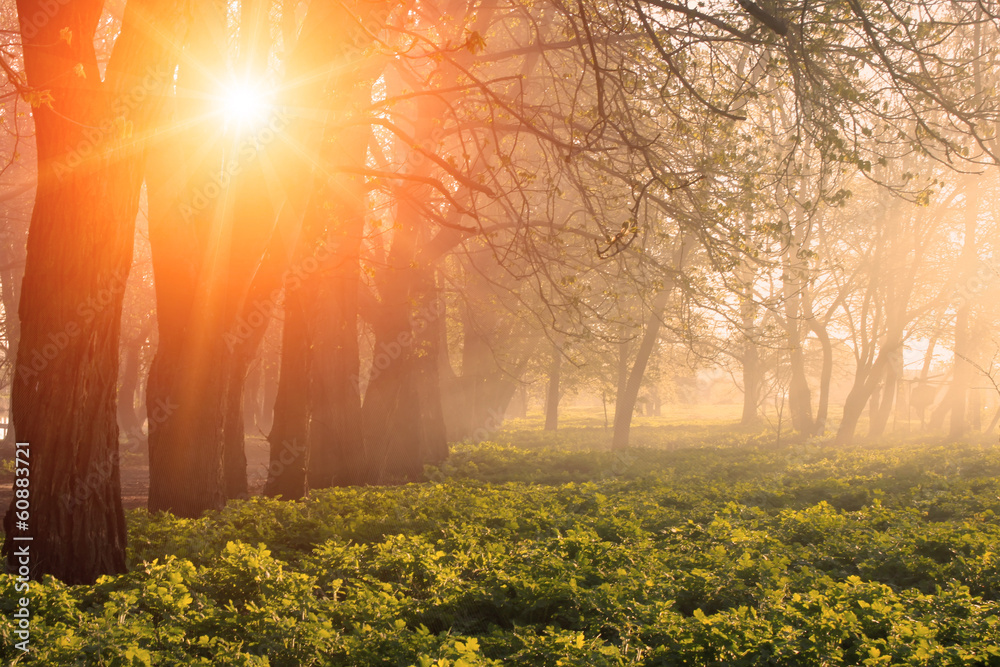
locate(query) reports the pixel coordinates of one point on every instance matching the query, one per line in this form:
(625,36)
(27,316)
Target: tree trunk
(552,395)
(753,381)
(289,434)
(336,435)
(883,401)
(625,401)
(252,398)
(430,339)
(78,258)
(621,383)
(976,409)
(964,370)
(12,259)
(189,373)
(854,406)
(252,210)
(799,395)
(865,383)
(826,373)
(271,361)
(129,421)
(391,411)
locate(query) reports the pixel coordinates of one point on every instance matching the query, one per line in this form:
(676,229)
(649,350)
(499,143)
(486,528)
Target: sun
(244,104)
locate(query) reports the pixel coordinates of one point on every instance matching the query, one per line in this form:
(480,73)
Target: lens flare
(244,104)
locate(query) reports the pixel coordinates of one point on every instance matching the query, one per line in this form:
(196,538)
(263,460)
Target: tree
(79,255)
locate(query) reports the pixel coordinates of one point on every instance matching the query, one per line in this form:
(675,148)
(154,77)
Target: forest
(475,332)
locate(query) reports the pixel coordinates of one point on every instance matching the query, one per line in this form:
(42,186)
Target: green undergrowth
(706,547)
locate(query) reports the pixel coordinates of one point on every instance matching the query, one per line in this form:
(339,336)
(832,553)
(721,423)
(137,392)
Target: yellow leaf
(37,98)
(475,43)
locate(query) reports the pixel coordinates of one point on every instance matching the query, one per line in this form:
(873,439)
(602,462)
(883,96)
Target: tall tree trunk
(289,434)
(753,381)
(430,339)
(252,397)
(336,434)
(854,406)
(865,383)
(962,379)
(78,258)
(271,361)
(621,382)
(825,377)
(189,240)
(234,469)
(254,212)
(799,396)
(14,237)
(552,395)
(476,402)
(882,402)
(129,421)
(391,411)
(625,401)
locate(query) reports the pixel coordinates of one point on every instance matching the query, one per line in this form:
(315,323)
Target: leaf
(66,35)
(475,43)
(37,98)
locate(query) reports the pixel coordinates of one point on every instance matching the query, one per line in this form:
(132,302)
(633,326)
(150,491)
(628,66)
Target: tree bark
(882,401)
(962,378)
(552,395)
(391,411)
(252,397)
(336,435)
(625,401)
(825,377)
(13,245)
(289,434)
(799,395)
(753,381)
(430,347)
(129,421)
(189,242)
(79,254)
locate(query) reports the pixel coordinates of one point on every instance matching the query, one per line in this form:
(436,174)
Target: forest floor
(703,544)
(590,426)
